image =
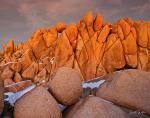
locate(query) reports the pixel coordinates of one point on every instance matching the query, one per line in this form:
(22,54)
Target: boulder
(66,86)
(40,52)
(130,50)
(98,22)
(125,27)
(37,103)
(16,67)
(148,28)
(8,82)
(9,48)
(131,60)
(50,37)
(88,68)
(94,107)
(103,34)
(81,56)
(17,77)
(46,61)
(15,87)
(98,51)
(41,66)
(142,33)
(142,59)
(27,59)
(42,76)
(1,96)
(31,71)
(48,67)
(60,27)
(89,18)
(35,37)
(129,45)
(128,88)
(114,54)
(120,32)
(134,33)
(72,33)
(61,58)
(7,73)
(129,21)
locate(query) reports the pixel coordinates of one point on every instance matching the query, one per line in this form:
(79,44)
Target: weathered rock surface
(31,71)
(94,107)
(15,87)
(98,22)
(60,27)
(38,103)
(114,56)
(66,86)
(88,46)
(128,88)
(1,96)
(9,48)
(6,72)
(42,76)
(92,47)
(17,77)
(26,59)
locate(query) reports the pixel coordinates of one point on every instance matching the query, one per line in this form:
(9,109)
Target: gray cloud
(20,18)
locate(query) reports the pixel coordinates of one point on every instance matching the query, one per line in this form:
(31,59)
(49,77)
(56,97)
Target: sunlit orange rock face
(91,46)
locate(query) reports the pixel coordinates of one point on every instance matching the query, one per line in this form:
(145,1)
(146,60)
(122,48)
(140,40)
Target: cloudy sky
(20,18)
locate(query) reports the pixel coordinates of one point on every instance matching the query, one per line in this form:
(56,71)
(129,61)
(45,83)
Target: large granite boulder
(94,107)
(38,103)
(66,86)
(128,88)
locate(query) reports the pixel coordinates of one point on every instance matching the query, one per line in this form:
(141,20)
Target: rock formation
(85,50)
(91,46)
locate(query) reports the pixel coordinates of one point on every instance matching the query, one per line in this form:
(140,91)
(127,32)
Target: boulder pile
(59,58)
(92,46)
